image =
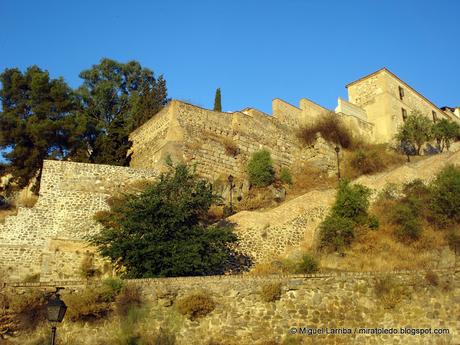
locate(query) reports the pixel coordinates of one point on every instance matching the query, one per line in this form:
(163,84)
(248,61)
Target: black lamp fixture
(55,309)
(230,185)
(337,151)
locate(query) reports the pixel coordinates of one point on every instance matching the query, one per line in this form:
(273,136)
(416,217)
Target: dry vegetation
(195,305)
(331,128)
(370,159)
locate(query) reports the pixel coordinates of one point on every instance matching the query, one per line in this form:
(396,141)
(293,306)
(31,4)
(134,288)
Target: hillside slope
(267,234)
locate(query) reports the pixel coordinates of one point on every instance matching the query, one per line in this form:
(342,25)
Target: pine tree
(218,101)
(38,121)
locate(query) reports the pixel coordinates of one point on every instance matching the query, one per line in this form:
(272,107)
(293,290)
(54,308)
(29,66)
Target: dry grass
(257,198)
(28,201)
(308,178)
(370,159)
(195,305)
(380,250)
(270,292)
(231,148)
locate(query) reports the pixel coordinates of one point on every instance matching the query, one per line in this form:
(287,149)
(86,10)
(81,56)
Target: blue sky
(254,50)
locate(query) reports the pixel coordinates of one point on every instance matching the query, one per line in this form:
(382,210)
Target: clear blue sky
(254,50)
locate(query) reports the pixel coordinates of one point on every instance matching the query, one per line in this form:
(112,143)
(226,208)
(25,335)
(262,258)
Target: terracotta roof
(400,80)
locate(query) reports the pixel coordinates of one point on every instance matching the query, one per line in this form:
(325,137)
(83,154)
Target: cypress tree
(218,101)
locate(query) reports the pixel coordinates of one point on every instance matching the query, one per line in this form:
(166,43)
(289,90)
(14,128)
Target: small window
(404,114)
(435,116)
(401,93)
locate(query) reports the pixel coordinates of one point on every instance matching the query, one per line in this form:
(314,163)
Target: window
(401,93)
(404,114)
(435,116)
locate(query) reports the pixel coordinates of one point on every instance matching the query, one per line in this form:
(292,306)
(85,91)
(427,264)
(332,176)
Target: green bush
(336,232)
(285,176)
(406,214)
(260,169)
(349,211)
(162,231)
(352,202)
(195,305)
(308,264)
(445,201)
(373,222)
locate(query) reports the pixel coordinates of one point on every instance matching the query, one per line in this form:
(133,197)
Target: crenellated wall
(221,143)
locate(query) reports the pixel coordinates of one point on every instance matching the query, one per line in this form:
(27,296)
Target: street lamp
(337,151)
(55,309)
(231,185)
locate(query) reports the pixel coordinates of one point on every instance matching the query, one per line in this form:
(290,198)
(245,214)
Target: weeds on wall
(389,291)
(270,292)
(331,128)
(195,305)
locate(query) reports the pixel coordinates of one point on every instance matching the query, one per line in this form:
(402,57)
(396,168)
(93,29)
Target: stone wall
(348,302)
(221,144)
(48,238)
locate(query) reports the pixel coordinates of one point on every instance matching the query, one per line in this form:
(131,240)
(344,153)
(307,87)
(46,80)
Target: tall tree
(218,101)
(416,131)
(444,131)
(116,98)
(38,121)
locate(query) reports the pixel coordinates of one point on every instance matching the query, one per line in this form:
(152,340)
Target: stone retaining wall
(344,301)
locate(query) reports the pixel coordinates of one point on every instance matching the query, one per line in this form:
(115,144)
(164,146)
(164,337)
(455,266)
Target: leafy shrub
(270,292)
(331,128)
(407,215)
(129,297)
(336,232)
(285,176)
(260,169)
(371,159)
(373,222)
(349,211)
(195,305)
(352,202)
(445,203)
(432,278)
(162,230)
(308,264)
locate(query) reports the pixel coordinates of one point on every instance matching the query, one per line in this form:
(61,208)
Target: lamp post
(55,309)
(337,151)
(230,185)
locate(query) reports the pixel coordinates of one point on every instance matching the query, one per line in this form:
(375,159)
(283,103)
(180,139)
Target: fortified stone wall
(347,302)
(221,143)
(48,238)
